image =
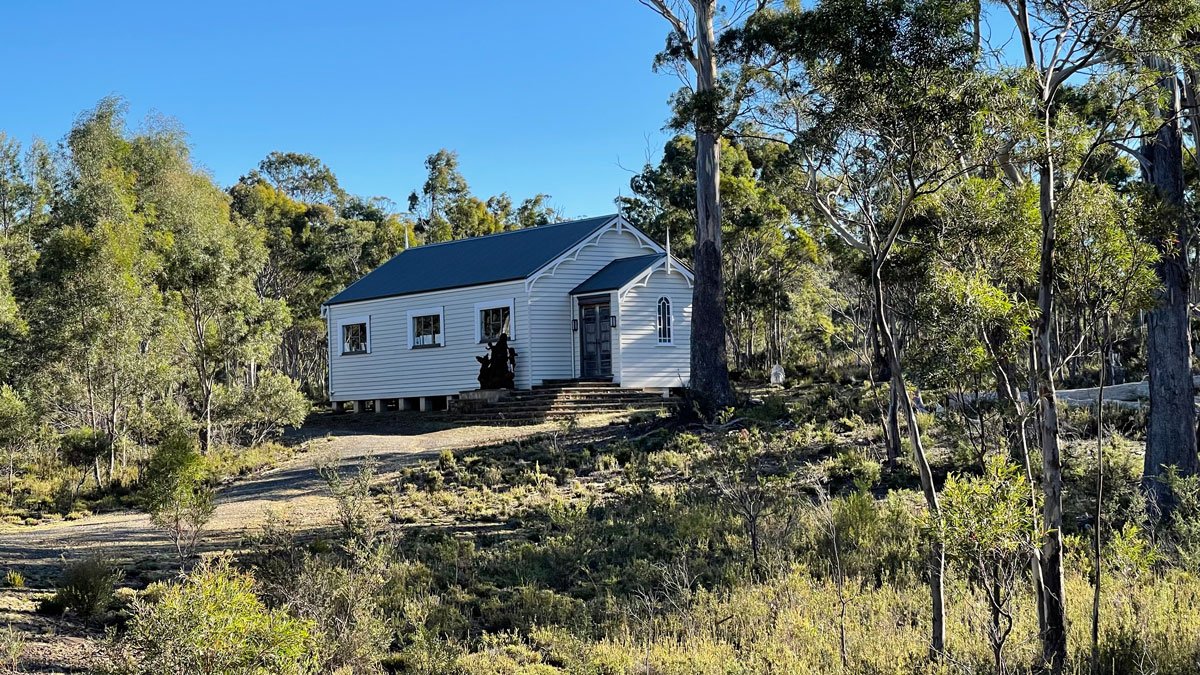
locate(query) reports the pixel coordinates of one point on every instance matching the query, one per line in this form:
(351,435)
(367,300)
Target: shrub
(176,496)
(86,586)
(12,646)
(527,606)
(607,462)
(343,603)
(254,415)
(852,466)
(986,525)
(14,579)
(357,512)
(212,622)
(666,461)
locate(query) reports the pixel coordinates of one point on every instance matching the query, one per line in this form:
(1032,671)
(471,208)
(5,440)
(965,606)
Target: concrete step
(580,399)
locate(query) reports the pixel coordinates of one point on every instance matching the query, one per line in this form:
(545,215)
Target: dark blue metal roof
(470,262)
(617,273)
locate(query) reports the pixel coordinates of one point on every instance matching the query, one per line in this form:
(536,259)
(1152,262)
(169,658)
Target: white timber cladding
(645,362)
(392,369)
(553,345)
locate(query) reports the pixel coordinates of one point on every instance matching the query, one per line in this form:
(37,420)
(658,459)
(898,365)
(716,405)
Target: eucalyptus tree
(92,304)
(1063,45)
(877,127)
(302,177)
(12,182)
(770,263)
(1168,55)
(444,185)
(708,108)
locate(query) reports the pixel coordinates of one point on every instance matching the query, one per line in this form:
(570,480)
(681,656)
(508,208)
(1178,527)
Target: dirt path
(294,490)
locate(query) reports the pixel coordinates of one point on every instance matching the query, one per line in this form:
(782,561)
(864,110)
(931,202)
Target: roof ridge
(538,244)
(516,231)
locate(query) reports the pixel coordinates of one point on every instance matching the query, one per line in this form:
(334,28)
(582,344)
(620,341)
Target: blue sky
(552,96)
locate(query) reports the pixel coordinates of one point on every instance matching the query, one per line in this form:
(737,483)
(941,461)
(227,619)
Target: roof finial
(668,248)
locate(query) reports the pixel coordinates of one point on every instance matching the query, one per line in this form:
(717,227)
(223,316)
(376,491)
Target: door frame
(604,299)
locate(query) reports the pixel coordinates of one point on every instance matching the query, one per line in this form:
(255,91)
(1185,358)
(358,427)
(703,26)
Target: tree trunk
(892,427)
(206,431)
(1171,434)
(1096,529)
(710,370)
(937,557)
(1010,398)
(1054,638)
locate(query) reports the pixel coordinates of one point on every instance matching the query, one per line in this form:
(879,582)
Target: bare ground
(294,490)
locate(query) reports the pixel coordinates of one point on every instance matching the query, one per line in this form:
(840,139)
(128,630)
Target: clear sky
(553,96)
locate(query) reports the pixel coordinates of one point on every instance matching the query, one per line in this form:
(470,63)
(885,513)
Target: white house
(591,299)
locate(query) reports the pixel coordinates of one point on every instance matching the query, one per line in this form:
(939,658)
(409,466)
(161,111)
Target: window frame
(503,303)
(670,323)
(424,312)
(341,333)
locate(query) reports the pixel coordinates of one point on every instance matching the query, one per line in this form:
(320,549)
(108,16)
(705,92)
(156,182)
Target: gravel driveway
(294,489)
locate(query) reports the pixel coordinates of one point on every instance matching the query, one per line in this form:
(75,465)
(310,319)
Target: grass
(630,551)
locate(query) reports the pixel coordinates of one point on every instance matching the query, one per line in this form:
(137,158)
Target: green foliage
(176,495)
(82,447)
(133,301)
(259,413)
(986,521)
(12,647)
(212,622)
(86,586)
(356,508)
(343,604)
(16,432)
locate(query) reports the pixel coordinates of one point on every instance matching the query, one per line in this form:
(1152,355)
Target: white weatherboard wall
(644,362)
(555,347)
(393,370)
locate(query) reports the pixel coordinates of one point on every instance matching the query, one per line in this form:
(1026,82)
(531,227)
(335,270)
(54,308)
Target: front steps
(555,401)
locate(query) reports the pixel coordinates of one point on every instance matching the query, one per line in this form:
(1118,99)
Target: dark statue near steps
(498,369)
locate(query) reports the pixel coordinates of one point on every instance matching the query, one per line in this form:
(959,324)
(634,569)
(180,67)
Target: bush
(86,586)
(214,623)
(12,646)
(254,415)
(14,579)
(176,497)
(343,602)
(357,511)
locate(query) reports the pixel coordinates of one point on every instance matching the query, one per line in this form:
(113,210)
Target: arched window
(664,321)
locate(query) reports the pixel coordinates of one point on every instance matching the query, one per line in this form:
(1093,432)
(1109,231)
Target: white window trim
(670,317)
(341,339)
(496,304)
(428,311)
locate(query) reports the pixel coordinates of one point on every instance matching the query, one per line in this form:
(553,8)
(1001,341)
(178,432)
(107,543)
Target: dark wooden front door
(595,337)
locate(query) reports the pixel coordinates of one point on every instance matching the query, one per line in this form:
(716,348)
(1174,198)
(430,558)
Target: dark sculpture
(498,369)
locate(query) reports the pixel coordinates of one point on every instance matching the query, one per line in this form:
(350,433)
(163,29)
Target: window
(493,322)
(493,318)
(355,333)
(427,330)
(664,321)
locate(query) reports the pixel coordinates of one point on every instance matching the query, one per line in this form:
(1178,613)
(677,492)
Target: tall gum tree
(1171,429)
(876,128)
(1063,45)
(710,107)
